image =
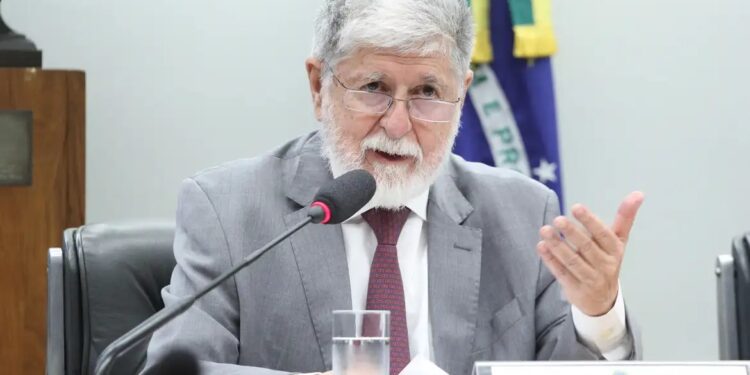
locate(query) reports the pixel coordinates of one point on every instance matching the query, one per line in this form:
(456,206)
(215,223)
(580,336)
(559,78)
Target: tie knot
(386,224)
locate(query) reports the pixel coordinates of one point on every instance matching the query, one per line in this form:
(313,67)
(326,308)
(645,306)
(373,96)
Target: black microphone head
(176,362)
(341,198)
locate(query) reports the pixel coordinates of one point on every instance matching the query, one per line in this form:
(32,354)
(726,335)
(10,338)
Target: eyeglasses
(423,109)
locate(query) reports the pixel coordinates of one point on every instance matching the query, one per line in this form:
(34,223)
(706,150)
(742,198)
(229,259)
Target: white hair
(422,28)
(418,27)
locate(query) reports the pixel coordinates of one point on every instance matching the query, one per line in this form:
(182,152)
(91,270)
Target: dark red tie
(385,290)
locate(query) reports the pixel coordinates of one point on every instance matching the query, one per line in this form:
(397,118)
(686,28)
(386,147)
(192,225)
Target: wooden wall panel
(32,218)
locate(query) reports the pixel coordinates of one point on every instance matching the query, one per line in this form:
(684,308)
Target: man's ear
(314,75)
(467,80)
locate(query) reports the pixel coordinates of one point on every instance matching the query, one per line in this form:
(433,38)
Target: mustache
(401,147)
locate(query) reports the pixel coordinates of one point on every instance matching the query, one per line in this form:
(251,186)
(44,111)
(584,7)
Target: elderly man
(388,79)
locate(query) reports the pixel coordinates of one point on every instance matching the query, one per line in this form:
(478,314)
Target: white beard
(398,183)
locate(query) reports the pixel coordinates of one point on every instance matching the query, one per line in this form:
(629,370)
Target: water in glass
(361,355)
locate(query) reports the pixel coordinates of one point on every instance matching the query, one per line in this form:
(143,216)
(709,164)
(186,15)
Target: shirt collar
(417,205)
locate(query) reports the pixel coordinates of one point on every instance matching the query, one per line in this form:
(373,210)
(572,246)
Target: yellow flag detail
(482,53)
(537,39)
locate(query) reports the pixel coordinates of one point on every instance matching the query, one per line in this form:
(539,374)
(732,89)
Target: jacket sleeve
(209,329)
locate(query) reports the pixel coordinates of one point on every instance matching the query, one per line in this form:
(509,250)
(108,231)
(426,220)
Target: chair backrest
(112,280)
(741,256)
(733,297)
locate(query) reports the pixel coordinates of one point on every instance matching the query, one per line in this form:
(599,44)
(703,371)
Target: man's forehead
(378,66)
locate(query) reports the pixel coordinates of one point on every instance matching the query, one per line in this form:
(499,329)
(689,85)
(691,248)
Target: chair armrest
(727,308)
(55,325)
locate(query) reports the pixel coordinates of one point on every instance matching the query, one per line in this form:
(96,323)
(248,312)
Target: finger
(586,246)
(555,267)
(626,215)
(601,233)
(569,258)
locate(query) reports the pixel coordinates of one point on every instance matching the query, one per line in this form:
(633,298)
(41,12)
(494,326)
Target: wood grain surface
(32,218)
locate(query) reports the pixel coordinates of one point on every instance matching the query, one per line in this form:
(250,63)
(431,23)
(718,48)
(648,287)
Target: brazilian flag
(509,118)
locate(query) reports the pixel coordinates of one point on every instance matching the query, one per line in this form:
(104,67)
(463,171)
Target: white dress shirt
(607,333)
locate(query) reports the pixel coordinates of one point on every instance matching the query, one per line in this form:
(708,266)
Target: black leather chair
(105,280)
(733,293)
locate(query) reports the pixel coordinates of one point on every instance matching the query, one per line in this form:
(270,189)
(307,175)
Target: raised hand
(586,260)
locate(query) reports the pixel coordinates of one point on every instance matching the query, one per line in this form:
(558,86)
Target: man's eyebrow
(368,76)
(432,79)
(426,78)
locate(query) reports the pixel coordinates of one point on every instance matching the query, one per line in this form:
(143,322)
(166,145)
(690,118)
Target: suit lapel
(318,249)
(454,258)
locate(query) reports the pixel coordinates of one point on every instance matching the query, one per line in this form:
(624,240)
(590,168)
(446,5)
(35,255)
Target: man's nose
(396,120)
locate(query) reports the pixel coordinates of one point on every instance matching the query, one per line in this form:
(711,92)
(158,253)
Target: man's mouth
(390,157)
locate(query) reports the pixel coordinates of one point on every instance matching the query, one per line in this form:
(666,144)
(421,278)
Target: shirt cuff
(607,333)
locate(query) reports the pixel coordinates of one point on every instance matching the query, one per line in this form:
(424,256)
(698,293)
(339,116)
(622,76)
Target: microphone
(342,199)
(176,362)
(335,202)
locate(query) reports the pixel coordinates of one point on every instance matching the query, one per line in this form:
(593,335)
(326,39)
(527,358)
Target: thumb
(626,215)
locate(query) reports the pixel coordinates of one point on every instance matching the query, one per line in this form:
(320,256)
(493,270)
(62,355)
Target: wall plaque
(15,148)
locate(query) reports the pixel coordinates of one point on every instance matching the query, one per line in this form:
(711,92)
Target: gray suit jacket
(490,296)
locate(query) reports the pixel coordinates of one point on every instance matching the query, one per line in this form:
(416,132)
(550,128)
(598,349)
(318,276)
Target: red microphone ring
(326,210)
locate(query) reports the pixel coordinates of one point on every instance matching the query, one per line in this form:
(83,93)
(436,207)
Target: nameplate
(16,133)
(611,368)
